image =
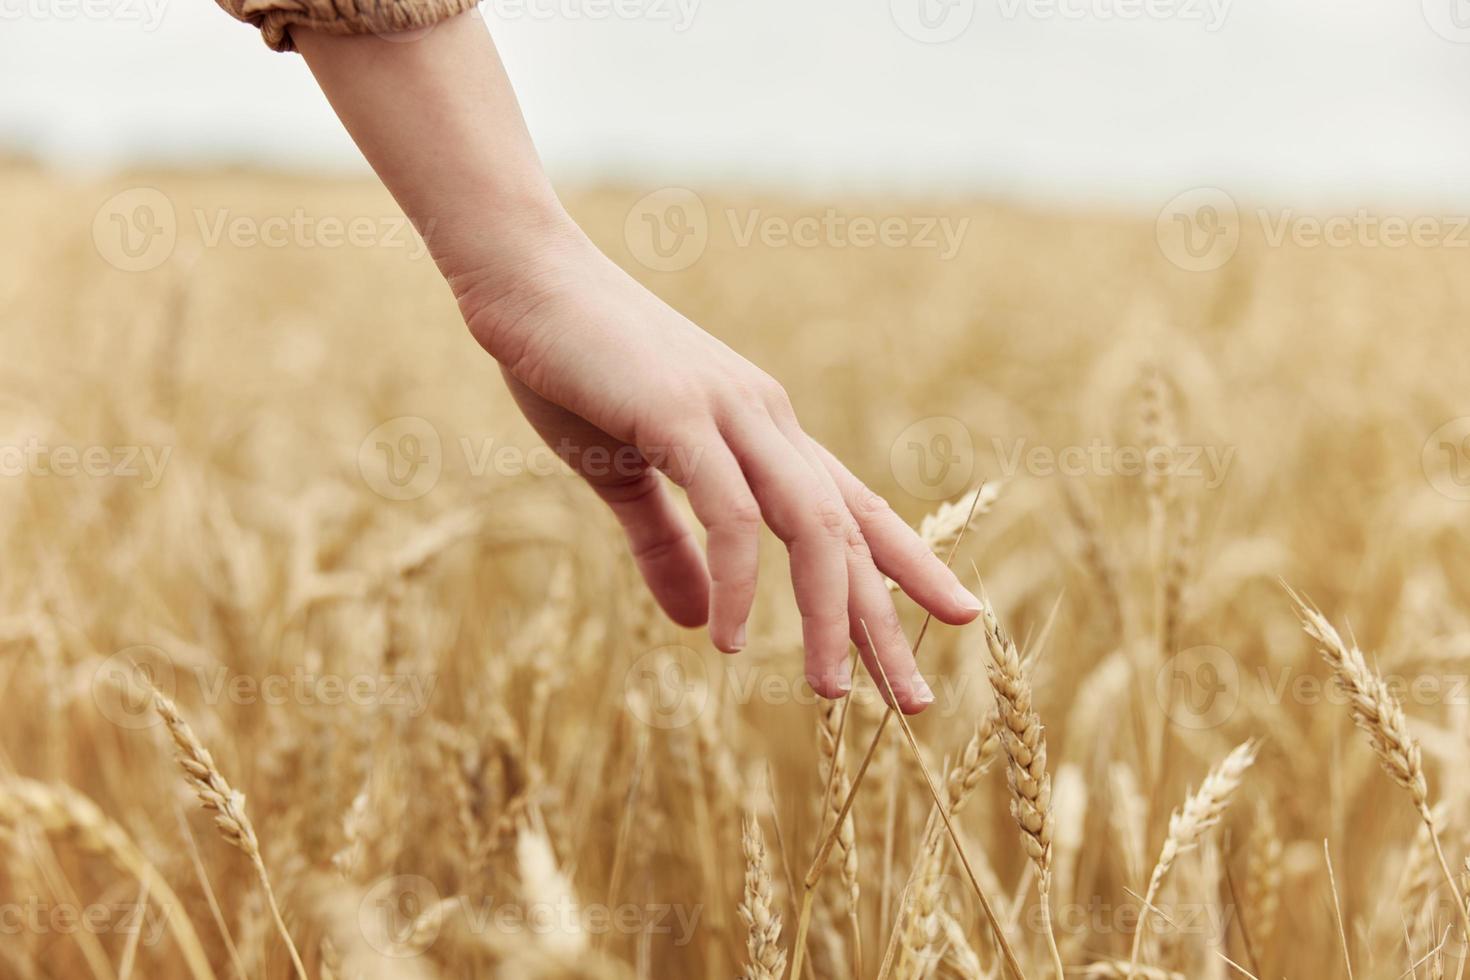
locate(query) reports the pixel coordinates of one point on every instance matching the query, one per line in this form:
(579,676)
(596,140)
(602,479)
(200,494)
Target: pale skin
(594,359)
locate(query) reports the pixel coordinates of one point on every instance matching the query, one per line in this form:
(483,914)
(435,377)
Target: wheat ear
(1200,811)
(1378,713)
(758,908)
(1024,740)
(227,804)
(814,873)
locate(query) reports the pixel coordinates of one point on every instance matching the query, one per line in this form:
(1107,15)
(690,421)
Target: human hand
(624,387)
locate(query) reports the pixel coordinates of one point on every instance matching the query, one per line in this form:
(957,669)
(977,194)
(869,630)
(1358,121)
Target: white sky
(1306,102)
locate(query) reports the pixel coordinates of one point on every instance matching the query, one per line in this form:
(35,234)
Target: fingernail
(738,643)
(844,680)
(966,599)
(922,691)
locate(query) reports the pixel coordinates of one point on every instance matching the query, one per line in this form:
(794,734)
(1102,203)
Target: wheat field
(311,664)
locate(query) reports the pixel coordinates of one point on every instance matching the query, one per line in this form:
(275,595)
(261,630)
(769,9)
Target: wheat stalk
(830,725)
(60,810)
(814,873)
(226,803)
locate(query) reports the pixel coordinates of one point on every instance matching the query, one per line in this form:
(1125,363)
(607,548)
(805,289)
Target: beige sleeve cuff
(275,18)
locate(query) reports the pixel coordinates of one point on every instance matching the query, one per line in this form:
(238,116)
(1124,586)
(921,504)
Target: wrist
(503,261)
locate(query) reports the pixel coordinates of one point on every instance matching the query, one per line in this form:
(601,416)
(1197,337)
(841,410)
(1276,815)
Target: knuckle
(742,515)
(870,504)
(776,397)
(888,622)
(832,518)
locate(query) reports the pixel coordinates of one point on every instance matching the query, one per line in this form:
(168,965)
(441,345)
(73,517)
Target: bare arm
(596,361)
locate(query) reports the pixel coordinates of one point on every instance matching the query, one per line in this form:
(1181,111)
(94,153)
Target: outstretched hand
(625,388)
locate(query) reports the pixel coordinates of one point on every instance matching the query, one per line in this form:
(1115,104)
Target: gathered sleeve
(275,18)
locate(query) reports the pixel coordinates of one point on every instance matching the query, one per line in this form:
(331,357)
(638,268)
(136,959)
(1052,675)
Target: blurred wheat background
(538,776)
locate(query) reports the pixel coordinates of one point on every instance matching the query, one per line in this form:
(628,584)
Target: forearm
(438,120)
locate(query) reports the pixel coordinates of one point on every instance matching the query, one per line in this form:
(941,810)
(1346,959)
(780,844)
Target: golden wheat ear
(226,803)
